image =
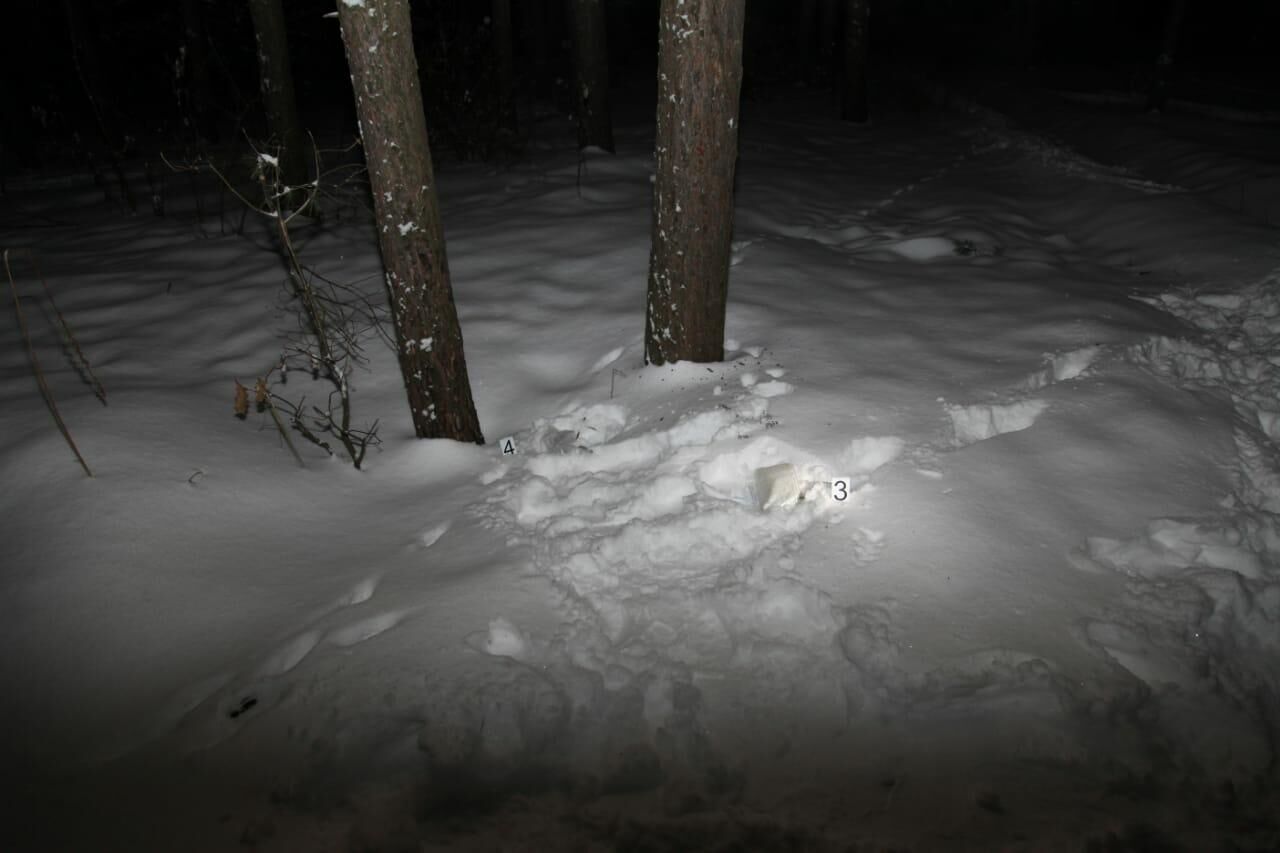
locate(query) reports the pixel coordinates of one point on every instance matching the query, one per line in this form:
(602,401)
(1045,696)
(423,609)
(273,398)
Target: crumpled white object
(782,486)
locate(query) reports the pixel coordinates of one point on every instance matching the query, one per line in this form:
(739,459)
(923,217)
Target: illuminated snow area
(1047,613)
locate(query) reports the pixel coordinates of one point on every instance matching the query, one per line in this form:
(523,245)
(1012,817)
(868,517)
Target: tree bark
(384,73)
(275,79)
(591,67)
(699,82)
(853,82)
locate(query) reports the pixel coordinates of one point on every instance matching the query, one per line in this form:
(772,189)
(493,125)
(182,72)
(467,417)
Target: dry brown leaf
(260,393)
(242,400)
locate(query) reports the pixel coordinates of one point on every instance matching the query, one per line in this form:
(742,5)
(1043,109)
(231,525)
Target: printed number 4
(840,490)
(508,446)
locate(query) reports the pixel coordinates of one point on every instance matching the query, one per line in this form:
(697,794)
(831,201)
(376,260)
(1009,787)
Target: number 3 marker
(840,489)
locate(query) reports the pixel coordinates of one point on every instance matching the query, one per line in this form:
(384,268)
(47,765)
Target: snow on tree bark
(699,81)
(591,66)
(275,80)
(853,88)
(384,74)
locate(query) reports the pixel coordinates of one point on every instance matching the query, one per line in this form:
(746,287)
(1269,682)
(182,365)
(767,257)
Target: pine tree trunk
(275,79)
(504,60)
(1158,96)
(591,66)
(384,74)
(853,82)
(699,81)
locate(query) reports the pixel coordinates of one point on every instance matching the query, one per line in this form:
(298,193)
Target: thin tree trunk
(538,38)
(88,67)
(1029,33)
(853,82)
(699,82)
(87,62)
(275,78)
(384,73)
(806,38)
(828,36)
(504,60)
(18,141)
(195,71)
(591,66)
(1158,96)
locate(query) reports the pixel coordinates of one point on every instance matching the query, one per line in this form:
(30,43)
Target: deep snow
(1047,614)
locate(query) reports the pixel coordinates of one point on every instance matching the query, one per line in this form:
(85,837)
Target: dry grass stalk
(262,400)
(80,360)
(35,364)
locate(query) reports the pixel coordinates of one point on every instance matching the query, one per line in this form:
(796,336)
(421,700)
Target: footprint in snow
(431,536)
(294,650)
(364,629)
(1062,367)
(289,655)
(772,387)
(608,358)
(502,639)
(979,422)
(360,593)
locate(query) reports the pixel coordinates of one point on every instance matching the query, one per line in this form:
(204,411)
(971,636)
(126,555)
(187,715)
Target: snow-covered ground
(1045,614)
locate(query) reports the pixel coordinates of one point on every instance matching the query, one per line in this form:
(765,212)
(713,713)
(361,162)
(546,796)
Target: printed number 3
(840,489)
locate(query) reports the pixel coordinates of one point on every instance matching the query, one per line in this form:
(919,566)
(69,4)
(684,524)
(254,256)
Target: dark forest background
(152,89)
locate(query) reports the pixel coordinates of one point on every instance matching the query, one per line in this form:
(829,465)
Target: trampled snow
(971,541)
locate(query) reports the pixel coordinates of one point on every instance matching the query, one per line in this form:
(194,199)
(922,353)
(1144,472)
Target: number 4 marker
(508,446)
(841,489)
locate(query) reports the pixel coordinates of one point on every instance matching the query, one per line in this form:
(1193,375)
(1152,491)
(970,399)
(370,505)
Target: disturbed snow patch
(982,421)
(1200,627)
(1062,367)
(671,544)
(649,523)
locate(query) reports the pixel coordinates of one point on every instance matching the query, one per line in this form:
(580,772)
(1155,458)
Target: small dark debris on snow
(989,801)
(245,705)
(1136,838)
